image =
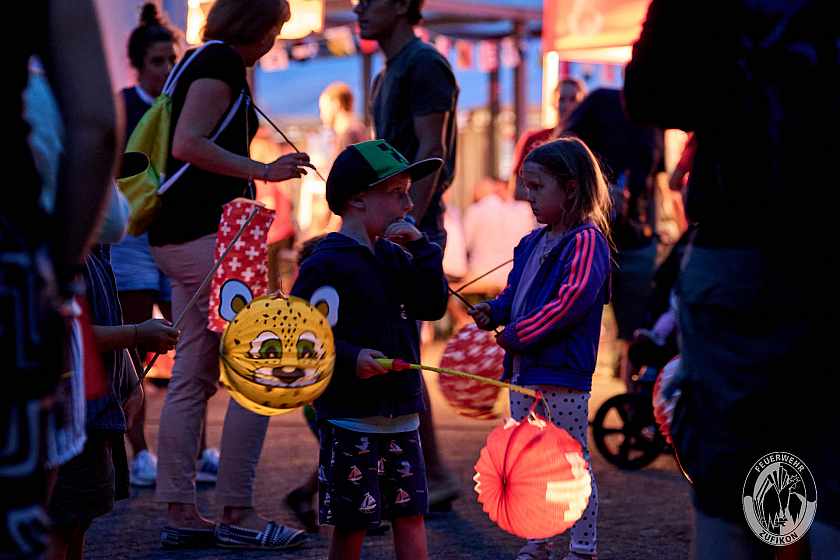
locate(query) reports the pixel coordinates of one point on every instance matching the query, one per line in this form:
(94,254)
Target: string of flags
(344,41)
(484,55)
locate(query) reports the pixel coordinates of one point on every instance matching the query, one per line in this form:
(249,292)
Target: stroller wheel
(625,432)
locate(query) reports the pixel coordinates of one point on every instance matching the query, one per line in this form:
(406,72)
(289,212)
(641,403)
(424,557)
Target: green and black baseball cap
(360,167)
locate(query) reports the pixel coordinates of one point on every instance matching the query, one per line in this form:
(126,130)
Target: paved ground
(643,515)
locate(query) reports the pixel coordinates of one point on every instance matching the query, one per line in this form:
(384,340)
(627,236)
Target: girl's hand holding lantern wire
(480,313)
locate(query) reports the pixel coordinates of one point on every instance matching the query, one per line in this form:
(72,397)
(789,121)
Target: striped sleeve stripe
(577,288)
(562,293)
(577,284)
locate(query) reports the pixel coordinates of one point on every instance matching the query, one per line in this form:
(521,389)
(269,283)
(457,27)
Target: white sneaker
(207,469)
(144,469)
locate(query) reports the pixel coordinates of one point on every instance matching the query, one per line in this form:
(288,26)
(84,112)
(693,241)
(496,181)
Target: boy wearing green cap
(378,275)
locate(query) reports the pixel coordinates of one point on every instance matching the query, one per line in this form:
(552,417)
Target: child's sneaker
(207,469)
(144,469)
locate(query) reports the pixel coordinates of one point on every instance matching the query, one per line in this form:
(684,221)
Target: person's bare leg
(137,307)
(441,485)
(76,550)
(434,466)
(410,538)
(187,516)
(347,545)
(246,517)
(67,543)
(59,546)
(136,433)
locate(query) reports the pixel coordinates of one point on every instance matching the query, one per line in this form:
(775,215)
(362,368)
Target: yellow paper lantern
(278,354)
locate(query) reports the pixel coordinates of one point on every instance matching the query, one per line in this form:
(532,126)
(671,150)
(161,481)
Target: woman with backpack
(140,283)
(211,97)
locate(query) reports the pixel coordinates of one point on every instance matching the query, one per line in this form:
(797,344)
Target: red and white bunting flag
(488,56)
(276,59)
(609,73)
(464,50)
(443,44)
(565,69)
(510,53)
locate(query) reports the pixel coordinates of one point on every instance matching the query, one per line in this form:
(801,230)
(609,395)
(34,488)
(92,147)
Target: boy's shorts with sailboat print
(364,478)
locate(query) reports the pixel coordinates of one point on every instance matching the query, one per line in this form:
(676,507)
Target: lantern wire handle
(477,278)
(539,397)
(203,285)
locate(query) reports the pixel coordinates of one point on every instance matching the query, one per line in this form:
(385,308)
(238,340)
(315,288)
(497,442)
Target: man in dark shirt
(414,100)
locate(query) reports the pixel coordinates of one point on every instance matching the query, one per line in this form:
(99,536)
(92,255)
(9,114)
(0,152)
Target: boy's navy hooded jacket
(381,298)
(557,339)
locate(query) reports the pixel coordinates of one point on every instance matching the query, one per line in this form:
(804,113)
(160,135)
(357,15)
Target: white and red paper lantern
(663,408)
(474,351)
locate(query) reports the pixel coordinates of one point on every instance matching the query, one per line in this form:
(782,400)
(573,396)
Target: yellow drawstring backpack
(151,137)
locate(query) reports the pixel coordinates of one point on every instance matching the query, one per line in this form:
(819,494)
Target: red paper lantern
(474,351)
(532,479)
(663,408)
(244,272)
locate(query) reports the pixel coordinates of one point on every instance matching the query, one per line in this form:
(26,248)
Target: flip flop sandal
(179,537)
(273,537)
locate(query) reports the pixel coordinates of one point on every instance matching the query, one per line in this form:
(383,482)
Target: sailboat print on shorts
(368,503)
(355,474)
(380,466)
(363,446)
(405,469)
(402,497)
(394,448)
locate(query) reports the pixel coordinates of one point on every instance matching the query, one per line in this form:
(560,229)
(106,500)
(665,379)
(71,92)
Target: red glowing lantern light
(475,351)
(532,479)
(663,407)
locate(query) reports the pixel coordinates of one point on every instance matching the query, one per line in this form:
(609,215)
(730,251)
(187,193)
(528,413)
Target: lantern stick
(203,285)
(465,302)
(400,365)
(488,273)
(286,138)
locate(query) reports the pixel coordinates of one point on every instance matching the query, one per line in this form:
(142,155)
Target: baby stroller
(624,428)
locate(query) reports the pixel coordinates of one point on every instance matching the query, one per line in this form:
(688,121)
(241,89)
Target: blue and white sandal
(273,537)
